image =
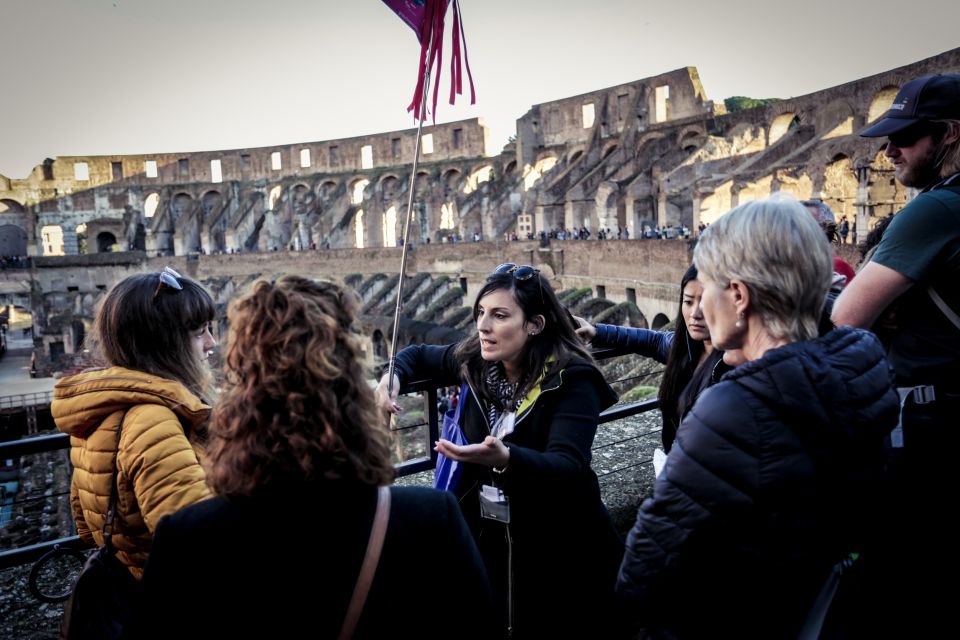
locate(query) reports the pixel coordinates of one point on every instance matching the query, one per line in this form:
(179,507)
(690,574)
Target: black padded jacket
(769,484)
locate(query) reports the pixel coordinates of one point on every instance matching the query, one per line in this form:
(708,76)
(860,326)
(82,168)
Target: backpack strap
(943,306)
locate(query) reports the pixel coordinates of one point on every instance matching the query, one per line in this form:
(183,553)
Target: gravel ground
(622,460)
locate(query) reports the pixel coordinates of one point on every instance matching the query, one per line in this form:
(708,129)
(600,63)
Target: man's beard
(923,171)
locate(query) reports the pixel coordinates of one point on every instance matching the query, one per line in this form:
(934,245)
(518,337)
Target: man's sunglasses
(914,133)
(168,278)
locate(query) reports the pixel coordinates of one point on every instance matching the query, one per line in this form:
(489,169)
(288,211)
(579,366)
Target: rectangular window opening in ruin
(304,158)
(334,155)
(663,98)
(81,171)
(275,161)
(216,171)
(631,295)
(245,161)
(463,284)
(183,167)
(48,170)
(601,291)
(150,168)
(427,143)
(366,157)
(395,148)
(101,287)
(588,114)
(117,169)
(457,138)
(71,289)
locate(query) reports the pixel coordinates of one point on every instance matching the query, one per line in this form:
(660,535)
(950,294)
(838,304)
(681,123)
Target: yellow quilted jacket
(158,469)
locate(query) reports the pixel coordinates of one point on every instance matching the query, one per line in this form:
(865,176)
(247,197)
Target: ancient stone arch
(388,186)
(835,119)
(150,204)
(326,189)
(451,182)
(659,322)
(781,125)
(690,137)
(358,188)
(105,241)
(880,102)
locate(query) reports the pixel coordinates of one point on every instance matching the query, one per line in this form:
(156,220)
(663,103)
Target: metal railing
(69,545)
(26,400)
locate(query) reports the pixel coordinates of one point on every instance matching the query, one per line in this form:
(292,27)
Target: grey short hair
(777,249)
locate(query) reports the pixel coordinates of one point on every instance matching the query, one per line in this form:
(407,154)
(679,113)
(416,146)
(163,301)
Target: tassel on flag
(426,18)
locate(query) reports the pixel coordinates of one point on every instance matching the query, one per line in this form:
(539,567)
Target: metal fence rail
(54,442)
(26,400)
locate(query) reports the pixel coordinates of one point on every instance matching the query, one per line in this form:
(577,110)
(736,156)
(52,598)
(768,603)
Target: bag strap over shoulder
(370,561)
(943,306)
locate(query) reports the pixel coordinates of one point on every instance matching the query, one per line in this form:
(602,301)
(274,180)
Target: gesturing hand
(491,452)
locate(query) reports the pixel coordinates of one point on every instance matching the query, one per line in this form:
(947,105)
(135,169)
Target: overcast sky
(93,77)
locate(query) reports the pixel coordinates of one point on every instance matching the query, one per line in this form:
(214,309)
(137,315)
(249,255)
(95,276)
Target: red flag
(426,18)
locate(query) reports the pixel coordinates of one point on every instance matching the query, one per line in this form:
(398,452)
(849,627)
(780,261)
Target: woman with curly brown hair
(297,454)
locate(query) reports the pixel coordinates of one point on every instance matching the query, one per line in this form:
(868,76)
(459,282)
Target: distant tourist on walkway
(771,478)
(298,459)
(153,333)
(529,414)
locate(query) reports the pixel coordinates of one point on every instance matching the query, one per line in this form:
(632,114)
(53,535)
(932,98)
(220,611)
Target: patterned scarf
(503,392)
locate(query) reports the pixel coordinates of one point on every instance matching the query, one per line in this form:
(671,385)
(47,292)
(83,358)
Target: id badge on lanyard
(494,504)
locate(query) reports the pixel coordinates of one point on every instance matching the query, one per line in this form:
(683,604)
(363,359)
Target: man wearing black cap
(913,280)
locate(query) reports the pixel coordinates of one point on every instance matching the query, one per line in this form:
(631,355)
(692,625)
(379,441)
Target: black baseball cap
(926,98)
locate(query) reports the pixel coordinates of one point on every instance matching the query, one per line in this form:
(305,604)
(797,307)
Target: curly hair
(297,407)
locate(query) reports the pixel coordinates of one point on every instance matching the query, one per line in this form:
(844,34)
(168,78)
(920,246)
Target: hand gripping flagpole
(406,228)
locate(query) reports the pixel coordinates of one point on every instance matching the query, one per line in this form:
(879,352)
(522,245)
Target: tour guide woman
(529,415)
(774,468)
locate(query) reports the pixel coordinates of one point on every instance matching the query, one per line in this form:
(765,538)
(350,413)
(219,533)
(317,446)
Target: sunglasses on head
(168,278)
(521,273)
(913,134)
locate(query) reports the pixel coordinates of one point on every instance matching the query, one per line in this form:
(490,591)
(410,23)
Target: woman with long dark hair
(692,364)
(530,404)
(146,412)
(300,463)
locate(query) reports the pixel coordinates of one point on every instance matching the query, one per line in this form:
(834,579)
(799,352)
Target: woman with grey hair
(767,484)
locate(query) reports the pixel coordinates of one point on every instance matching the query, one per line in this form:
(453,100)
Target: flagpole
(406,226)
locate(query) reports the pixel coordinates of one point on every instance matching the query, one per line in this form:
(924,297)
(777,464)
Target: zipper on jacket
(509,582)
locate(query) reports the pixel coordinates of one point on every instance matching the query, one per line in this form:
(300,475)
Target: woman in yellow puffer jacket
(153,332)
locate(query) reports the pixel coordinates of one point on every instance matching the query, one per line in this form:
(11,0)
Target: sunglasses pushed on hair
(168,278)
(521,273)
